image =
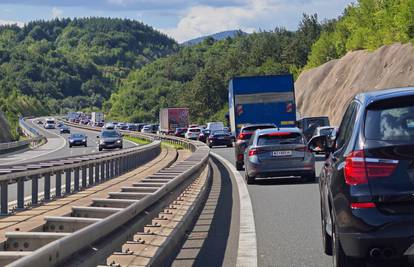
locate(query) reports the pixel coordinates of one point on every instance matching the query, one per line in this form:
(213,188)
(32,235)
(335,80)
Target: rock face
(5,135)
(326,90)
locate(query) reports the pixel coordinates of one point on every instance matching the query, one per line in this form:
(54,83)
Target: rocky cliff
(326,90)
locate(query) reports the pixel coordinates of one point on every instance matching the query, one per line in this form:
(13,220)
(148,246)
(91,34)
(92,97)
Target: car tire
(100,149)
(86,145)
(70,146)
(249,179)
(120,147)
(239,165)
(338,254)
(231,145)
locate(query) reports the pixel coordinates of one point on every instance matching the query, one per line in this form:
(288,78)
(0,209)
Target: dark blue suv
(367,182)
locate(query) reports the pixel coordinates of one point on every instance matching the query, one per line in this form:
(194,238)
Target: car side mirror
(318,144)
(97,136)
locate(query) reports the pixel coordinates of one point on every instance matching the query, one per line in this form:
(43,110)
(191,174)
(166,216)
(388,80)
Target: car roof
(370,97)
(279,130)
(258,124)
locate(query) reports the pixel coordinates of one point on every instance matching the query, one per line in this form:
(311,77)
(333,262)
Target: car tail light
(240,157)
(358,168)
(362,205)
(254,151)
(244,136)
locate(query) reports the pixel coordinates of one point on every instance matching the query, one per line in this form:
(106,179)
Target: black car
(367,182)
(205,133)
(78,139)
(109,139)
(219,138)
(64,129)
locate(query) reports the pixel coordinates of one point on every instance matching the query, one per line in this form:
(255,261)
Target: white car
(192,133)
(146,129)
(109,126)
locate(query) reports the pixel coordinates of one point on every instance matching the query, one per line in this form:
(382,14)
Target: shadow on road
(207,243)
(283,181)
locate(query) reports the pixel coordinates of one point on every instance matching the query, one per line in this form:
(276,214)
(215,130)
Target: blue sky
(181,19)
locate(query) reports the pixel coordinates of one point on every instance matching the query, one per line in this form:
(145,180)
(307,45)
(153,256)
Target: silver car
(277,153)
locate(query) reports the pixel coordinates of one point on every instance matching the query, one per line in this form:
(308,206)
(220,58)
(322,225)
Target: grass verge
(137,140)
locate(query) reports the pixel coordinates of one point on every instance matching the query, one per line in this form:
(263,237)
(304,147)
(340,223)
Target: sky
(181,19)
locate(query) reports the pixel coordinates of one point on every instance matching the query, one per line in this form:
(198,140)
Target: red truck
(173,118)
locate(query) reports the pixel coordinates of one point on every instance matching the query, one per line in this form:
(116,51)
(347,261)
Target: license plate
(281,153)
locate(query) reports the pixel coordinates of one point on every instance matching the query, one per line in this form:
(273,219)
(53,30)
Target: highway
(56,147)
(287,219)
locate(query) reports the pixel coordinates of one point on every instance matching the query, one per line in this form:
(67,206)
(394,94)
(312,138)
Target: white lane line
(40,148)
(247,251)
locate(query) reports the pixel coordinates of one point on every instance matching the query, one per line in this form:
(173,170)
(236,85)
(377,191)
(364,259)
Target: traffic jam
(366,182)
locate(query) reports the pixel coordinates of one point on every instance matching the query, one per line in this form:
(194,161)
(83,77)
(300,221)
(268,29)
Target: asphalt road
(56,147)
(287,220)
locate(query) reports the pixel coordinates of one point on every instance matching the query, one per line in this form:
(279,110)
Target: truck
(97,117)
(262,99)
(173,118)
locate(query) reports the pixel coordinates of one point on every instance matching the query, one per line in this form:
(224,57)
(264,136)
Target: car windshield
(110,134)
(77,136)
(280,138)
(394,123)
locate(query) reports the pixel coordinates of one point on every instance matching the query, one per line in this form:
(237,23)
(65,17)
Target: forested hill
(197,76)
(47,66)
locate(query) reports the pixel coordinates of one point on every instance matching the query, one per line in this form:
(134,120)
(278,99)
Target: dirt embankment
(5,135)
(326,90)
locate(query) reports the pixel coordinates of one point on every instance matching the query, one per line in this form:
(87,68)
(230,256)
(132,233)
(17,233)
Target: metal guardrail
(91,169)
(92,244)
(34,140)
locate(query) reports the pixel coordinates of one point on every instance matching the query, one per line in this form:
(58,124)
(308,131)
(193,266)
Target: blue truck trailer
(262,99)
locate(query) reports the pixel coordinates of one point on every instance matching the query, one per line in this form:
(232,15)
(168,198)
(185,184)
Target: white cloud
(252,16)
(56,12)
(11,22)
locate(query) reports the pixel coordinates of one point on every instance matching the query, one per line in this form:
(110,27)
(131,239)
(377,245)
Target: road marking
(247,251)
(40,148)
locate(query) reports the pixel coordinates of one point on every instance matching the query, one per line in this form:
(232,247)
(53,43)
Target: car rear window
(217,133)
(390,123)
(194,130)
(280,138)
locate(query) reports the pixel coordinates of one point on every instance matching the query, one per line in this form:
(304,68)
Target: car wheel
(100,149)
(120,147)
(339,257)
(239,165)
(326,239)
(70,145)
(86,145)
(230,145)
(249,179)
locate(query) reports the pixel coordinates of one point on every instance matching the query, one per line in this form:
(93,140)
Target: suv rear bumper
(359,245)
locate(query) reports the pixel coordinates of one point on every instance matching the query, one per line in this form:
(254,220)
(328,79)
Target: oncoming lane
(56,147)
(287,220)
